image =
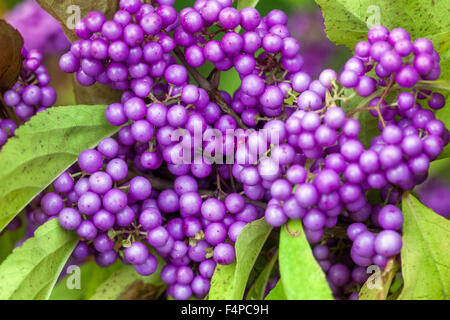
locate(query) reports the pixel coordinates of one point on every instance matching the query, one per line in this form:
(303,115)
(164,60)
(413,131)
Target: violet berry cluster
(119,215)
(7,129)
(126,52)
(30,94)
(341,172)
(262,55)
(296,145)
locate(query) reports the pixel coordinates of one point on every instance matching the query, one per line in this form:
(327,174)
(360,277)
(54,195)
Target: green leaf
(43,148)
(258,289)
(277,293)
(8,241)
(246,3)
(441,43)
(425,258)
(91,277)
(229,80)
(439,168)
(435,84)
(378,285)
(347,21)
(222,282)
(229,282)
(302,277)
(445,153)
(31,271)
(396,287)
(127,284)
(369,128)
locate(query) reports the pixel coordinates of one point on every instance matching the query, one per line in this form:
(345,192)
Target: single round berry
(224,253)
(388,243)
(69,218)
(136,253)
(90,160)
(149,267)
(52,203)
(390,218)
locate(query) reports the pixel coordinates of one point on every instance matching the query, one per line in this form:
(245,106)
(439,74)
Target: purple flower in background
(308,28)
(435,194)
(38,29)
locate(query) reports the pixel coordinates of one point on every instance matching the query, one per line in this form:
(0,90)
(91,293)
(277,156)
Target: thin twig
(212,92)
(383,96)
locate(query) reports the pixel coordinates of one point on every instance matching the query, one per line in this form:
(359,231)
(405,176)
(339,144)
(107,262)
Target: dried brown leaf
(139,290)
(96,94)
(378,284)
(62,11)
(10,55)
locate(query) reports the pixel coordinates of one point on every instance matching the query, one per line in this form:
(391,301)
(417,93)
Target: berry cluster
(392,54)
(126,52)
(339,275)
(342,172)
(31,93)
(121,216)
(262,55)
(7,129)
(295,143)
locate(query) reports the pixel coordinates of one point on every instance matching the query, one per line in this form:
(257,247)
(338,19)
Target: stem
(77,174)
(224,182)
(340,232)
(362,105)
(256,203)
(212,92)
(153,98)
(214,77)
(233,185)
(383,96)
(218,182)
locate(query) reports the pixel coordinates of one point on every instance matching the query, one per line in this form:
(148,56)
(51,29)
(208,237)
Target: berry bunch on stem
(31,94)
(192,165)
